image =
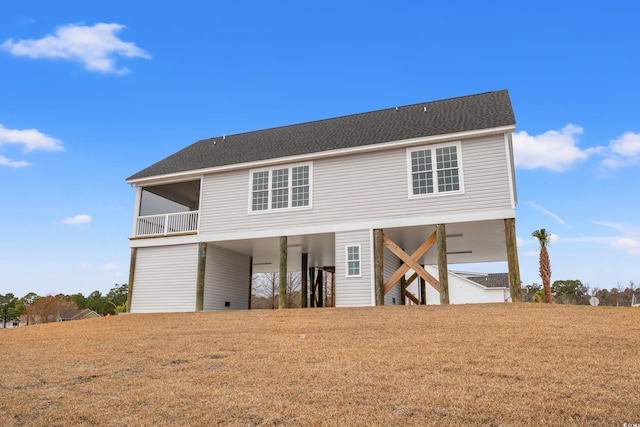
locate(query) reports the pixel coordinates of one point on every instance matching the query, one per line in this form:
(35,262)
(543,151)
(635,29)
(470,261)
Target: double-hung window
(353,260)
(280,188)
(435,169)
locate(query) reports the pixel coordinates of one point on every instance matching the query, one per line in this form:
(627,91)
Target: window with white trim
(280,188)
(435,170)
(352,253)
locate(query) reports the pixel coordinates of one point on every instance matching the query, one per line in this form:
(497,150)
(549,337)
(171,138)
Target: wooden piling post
(202,262)
(282,288)
(378,255)
(443,268)
(250,280)
(423,291)
(320,284)
(132,272)
(333,288)
(512,259)
(312,282)
(303,281)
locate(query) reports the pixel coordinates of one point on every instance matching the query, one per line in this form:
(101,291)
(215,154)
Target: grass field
(498,364)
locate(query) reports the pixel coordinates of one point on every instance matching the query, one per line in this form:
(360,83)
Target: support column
(312,281)
(423,291)
(282,288)
(303,280)
(320,284)
(403,290)
(202,262)
(250,280)
(512,259)
(333,288)
(378,255)
(443,268)
(132,273)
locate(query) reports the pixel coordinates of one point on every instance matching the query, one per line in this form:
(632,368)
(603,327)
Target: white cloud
(628,244)
(520,241)
(623,151)
(618,227)
(95,47)
(553,150)
(78,219)
(548,213)
(627,145)
(84,266)
(110,266)
(627,240)
(12,163)
(30,139)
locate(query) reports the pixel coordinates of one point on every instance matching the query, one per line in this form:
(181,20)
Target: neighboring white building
(364,196)
(466,288)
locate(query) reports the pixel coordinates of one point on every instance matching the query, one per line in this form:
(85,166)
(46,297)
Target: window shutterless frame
(280,188)
(434,170)
(353,263)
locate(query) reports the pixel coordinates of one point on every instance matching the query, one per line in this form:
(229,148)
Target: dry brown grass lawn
(506,364)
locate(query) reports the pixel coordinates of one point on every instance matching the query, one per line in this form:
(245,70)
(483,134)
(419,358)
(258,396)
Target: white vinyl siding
(280,188)
(353,291)
(226,279)
(165,279)
(364,187)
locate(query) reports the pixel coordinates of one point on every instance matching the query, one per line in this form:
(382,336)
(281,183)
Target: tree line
(34,308)
(576,292)
(570,291)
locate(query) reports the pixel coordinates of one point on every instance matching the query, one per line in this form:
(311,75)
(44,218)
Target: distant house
(635,300)
(66,315)
(465,288)
(367,197)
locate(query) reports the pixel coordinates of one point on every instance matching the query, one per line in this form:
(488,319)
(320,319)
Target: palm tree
(544,238)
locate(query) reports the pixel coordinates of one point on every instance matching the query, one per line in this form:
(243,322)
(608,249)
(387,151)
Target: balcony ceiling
(184,193)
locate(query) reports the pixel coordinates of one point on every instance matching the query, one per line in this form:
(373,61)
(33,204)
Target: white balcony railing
(166,224)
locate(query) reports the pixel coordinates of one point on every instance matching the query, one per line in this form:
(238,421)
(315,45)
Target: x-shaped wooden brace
(410,262)
(405,284)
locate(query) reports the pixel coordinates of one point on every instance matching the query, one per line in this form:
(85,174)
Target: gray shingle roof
(473,112)
(77,314)
(492,280)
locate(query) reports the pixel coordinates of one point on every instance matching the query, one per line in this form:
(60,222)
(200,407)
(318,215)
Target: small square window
(353,260)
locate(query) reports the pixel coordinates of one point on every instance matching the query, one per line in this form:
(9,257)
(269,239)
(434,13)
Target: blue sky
(92,92)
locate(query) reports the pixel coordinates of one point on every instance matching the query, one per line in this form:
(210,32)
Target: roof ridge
(352,115)
(487,110)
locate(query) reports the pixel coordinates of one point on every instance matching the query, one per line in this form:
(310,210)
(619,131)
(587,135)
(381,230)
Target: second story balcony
(167,224)
(169,209)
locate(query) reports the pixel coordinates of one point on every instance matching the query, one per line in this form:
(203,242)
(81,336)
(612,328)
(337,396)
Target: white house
(464,288)
(368,196)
